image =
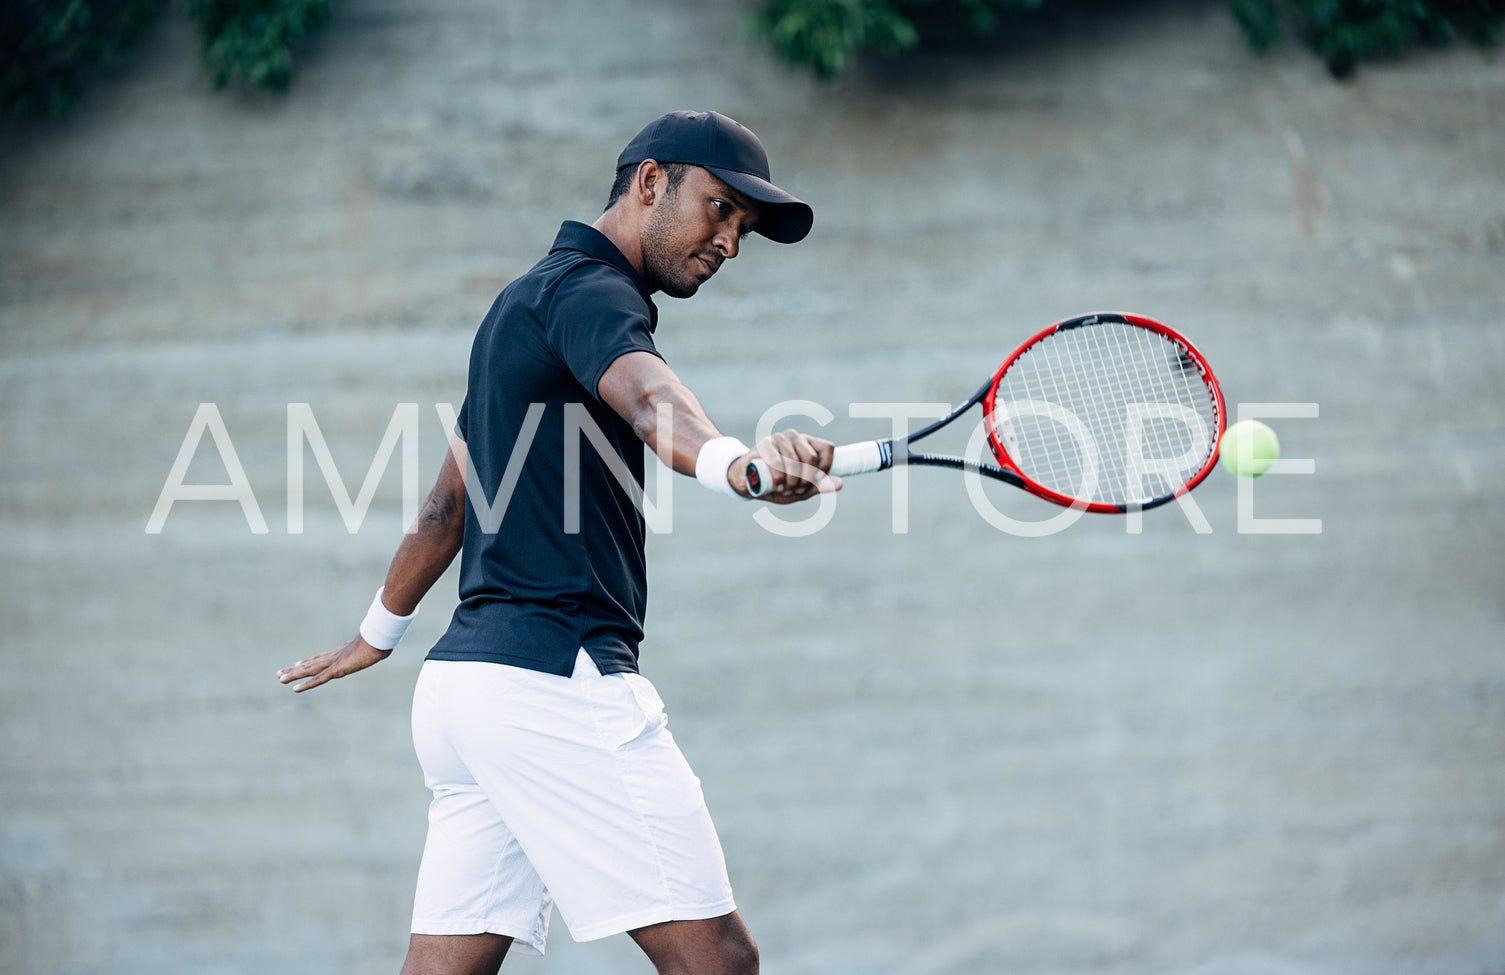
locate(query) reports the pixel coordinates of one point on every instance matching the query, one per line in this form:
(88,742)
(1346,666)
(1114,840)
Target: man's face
(692,230)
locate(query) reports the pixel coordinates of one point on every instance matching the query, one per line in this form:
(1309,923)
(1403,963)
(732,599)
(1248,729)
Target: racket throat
(896,453)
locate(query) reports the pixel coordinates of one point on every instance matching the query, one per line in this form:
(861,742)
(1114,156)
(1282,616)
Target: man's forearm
(420,560)
(679,441)
(434,541)
(643,391)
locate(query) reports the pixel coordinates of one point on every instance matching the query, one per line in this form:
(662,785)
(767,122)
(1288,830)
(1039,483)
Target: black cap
(730,151)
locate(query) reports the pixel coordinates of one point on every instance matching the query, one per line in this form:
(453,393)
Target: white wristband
(713,460)
(382,628)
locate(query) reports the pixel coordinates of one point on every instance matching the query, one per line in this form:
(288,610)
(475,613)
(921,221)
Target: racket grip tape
(852,458)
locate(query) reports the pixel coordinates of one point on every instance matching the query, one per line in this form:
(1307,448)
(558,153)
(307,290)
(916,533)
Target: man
(555,779)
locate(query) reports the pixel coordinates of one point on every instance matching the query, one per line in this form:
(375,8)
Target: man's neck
(622,231)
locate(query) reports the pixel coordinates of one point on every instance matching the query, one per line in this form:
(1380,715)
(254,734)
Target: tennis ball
(1248,448)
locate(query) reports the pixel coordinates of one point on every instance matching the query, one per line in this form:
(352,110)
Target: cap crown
(707,139)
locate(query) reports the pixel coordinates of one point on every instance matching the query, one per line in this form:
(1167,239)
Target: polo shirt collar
(576,236)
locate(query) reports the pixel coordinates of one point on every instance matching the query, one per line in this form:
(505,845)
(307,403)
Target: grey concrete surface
(948,751)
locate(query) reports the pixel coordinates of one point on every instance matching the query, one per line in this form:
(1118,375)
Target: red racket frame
(1001,454)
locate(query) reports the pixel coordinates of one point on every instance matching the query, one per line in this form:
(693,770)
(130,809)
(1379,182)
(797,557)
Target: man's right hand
(353,656)
(798,463)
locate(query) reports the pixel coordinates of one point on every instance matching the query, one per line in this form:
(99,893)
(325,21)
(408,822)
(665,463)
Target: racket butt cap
(759,477)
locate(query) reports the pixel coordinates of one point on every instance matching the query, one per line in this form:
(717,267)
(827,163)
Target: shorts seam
(525,935)
(654,915)
(494,885)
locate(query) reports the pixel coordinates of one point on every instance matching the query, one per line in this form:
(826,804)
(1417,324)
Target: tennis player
(555,778)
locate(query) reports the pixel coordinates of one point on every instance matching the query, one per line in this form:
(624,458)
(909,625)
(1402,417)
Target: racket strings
(1107,412)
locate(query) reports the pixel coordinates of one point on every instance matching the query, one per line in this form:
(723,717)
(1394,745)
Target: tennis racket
(1108,412)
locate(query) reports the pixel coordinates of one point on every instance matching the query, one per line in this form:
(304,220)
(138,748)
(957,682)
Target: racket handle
(852,458)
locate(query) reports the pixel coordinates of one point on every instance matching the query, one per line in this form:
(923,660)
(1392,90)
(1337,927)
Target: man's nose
(727,243)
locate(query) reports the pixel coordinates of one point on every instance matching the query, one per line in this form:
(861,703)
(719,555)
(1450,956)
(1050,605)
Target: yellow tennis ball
(1248,448)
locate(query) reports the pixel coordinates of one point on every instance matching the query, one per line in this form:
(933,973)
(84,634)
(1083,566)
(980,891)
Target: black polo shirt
(538,582)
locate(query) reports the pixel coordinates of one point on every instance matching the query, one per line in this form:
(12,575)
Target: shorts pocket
(648,702)
(618,711)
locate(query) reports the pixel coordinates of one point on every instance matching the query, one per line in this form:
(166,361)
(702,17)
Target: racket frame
(1006,461)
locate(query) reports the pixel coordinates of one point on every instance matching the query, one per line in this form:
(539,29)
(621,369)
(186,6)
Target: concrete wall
(952,750)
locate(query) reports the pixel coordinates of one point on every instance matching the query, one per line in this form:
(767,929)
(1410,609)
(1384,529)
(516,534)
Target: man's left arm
(637,384)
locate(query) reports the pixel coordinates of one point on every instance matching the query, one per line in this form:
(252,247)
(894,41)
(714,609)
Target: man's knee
(717,946)
(740,951)
(455,954)
(732,956)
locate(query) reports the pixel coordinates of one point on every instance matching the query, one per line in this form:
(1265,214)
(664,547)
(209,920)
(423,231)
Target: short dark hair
(674,173)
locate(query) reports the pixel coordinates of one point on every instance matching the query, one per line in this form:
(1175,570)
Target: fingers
(318,668)
(325,667)
(302,668)
(798,464)
(319,677)
(322,677)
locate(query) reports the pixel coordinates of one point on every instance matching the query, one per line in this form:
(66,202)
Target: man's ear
(649,182)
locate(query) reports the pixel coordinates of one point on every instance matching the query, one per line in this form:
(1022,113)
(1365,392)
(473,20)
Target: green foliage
(1260,21)
(825,35)
(1345,32)
(251,41)
(48,47)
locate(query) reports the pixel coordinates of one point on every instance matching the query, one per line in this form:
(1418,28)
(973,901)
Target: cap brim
(781,217)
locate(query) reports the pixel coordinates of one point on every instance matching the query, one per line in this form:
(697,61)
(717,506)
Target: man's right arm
(426,551)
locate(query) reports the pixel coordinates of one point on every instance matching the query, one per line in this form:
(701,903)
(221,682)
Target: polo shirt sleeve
(597,316)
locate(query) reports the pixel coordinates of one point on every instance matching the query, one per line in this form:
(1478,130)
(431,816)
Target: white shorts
(557,791)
